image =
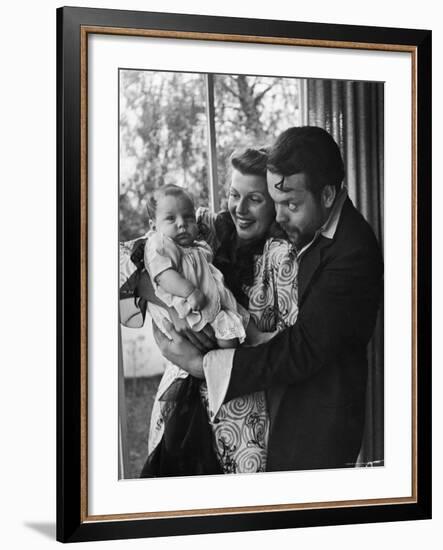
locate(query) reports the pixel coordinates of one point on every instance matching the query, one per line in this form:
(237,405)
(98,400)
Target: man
(314,372)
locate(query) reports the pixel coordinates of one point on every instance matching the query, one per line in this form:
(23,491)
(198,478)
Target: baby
(181,271)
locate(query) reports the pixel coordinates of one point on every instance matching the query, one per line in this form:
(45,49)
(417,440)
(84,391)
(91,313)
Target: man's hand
(204,340)
(179,350)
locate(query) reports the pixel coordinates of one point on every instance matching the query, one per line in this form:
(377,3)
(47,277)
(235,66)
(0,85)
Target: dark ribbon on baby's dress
(129,287)
(186,447)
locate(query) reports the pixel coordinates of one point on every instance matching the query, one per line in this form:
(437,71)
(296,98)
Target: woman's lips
(243,224)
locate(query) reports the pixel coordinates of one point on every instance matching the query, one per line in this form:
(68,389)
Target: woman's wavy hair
(254,161)
(250,161)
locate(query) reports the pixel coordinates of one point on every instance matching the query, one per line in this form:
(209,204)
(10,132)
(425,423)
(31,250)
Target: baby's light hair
(170,190)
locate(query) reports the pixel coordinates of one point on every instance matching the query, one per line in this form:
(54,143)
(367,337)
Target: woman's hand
(254,337)
(197,300)
(179,350)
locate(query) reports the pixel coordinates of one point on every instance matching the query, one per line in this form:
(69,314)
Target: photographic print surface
(193,131)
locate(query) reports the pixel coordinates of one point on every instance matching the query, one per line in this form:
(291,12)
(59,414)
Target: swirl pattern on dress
(229,432)
(273,304)
(260,299)
(250,461)
(286,272)
(241,433)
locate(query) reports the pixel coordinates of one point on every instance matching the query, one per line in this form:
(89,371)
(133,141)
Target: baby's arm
(171,281)
(162,259)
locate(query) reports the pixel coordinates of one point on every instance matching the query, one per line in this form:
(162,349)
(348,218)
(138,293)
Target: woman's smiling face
(250,206)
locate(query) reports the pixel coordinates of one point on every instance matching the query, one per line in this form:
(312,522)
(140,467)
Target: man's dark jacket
(315,372)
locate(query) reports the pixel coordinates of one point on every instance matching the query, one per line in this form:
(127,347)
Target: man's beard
(298,239)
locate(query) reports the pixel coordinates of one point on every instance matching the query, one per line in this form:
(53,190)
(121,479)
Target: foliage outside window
(164,136)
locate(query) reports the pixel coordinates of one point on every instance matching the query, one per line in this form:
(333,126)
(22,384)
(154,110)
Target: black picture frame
(72,521)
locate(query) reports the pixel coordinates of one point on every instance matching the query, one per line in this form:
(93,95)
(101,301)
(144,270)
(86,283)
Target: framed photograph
(244,274)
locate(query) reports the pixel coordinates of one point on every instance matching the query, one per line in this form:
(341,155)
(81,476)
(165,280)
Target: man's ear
(328,195)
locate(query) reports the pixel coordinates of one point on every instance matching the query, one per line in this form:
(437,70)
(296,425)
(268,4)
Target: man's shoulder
(354,231)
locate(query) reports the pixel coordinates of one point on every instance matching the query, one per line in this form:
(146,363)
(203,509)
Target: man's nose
(280,215)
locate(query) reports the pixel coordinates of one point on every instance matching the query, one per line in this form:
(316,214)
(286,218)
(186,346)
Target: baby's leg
(232,343)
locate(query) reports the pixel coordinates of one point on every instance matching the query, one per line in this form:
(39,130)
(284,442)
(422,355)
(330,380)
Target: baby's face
(175,218)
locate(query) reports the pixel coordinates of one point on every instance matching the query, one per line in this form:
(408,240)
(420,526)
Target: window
(182,127)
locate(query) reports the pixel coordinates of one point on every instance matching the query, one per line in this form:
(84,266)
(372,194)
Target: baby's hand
(196,300)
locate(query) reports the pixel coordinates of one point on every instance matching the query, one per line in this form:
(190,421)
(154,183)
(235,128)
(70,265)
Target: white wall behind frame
(27,100)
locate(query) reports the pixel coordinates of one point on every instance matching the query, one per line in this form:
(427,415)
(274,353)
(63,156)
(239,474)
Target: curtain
(353,112)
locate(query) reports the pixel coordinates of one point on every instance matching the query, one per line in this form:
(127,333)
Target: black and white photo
(251,229)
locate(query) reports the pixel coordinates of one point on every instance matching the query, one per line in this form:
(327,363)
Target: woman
(259,268)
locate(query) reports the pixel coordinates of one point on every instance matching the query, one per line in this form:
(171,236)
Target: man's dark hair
(250,161)
(165,191)
(311,150)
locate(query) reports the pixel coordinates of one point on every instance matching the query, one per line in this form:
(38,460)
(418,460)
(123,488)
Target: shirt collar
(329,228)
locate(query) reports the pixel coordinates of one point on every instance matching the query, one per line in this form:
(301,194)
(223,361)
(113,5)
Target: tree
(251,111)
(162,140)
(163,131)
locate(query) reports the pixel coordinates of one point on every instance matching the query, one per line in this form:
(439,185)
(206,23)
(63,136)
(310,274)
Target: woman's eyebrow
(254,192)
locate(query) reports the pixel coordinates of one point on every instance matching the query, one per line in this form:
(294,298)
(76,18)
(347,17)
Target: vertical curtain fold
(353,113)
